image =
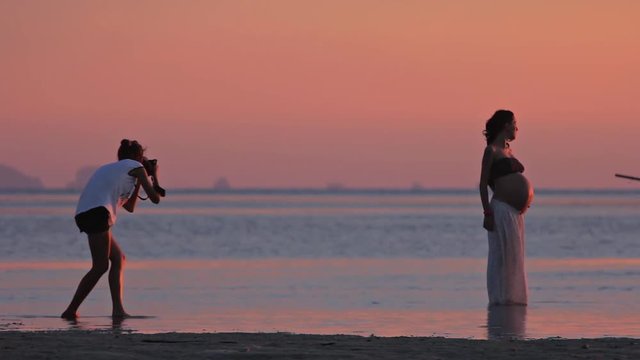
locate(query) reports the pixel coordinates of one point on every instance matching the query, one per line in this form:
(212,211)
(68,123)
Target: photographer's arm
(142,179)
(130,205)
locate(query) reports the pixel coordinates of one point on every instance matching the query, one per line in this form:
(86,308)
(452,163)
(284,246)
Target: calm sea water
(383,262)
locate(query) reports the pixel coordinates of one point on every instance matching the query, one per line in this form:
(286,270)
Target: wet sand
(111,345)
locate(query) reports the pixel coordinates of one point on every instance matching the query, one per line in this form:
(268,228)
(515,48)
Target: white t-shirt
(110,186)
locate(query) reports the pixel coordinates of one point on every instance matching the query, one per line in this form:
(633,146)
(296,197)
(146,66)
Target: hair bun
(124,142)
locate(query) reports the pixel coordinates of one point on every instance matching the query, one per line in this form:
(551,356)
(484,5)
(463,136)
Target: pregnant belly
(515,190)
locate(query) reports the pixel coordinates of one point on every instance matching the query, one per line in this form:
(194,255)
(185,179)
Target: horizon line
(329,190)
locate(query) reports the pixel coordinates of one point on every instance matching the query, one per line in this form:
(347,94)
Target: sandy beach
(110,345)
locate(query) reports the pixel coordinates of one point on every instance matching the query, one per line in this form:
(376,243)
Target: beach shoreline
(76,344)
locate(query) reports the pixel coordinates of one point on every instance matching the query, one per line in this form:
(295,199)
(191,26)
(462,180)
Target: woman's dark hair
(496,124)
(130,149)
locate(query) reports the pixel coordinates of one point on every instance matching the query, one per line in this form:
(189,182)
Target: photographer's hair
(496,124)
(130,149)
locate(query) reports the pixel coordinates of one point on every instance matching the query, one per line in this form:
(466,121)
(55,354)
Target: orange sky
(370,93)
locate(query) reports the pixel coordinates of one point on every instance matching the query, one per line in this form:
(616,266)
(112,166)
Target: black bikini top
(504,166)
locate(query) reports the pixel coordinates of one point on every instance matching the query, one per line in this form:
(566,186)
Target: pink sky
(301,93)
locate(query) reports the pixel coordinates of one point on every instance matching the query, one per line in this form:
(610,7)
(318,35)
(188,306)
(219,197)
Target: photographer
(111,186)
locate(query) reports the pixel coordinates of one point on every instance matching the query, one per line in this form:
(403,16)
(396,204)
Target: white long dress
(506,276)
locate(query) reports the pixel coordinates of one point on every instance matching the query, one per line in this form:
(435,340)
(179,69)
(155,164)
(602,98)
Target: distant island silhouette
(13,179)
(222,184)
(335,186)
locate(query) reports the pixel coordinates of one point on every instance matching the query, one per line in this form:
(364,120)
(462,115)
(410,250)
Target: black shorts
(94,221)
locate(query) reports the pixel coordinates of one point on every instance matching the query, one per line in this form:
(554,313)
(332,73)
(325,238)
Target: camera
(150,167)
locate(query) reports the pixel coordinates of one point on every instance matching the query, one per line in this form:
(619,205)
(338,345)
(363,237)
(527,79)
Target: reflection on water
(90,323)
(506,322)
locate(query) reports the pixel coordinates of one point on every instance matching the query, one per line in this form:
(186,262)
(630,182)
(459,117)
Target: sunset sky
(296,93)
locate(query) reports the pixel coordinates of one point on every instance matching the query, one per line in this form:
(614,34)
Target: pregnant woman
(504,215)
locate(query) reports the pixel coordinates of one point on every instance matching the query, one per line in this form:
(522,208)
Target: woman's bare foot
(69,315)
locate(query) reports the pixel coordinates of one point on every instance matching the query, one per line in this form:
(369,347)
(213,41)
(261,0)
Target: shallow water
(388,297)
(354,263)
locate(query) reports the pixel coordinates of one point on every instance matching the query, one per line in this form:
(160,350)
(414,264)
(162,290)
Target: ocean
(383,262)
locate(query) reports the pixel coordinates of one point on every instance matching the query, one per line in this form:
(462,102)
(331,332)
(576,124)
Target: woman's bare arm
(487,160)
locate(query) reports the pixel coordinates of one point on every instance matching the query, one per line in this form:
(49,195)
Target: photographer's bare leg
(99,244)
(116,280)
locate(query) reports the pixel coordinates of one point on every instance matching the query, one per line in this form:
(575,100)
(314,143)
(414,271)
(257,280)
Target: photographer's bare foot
(69,315)
(120,315)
